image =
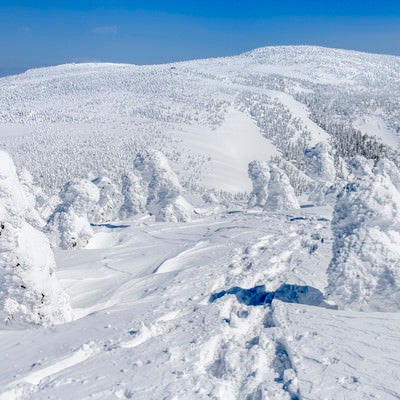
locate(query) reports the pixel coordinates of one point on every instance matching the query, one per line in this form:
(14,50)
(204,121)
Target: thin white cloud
(106,29)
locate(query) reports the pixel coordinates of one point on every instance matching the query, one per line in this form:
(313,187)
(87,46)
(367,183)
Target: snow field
(173,297)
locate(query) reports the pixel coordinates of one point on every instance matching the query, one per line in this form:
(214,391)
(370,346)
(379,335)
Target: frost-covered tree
(32,188)
(320,164)
(210,197)
(69,226)
(300,182)
(364,273)
(134,195)
(164,192)
(29,290)
(360,167)
(110,200)
(259,174)
(281,195)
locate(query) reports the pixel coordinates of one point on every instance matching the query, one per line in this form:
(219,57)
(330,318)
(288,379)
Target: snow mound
(29,290)
(68,226)
(364,273)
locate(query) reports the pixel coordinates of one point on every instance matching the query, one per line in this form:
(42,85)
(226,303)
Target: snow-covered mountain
(207,116)
(221,229)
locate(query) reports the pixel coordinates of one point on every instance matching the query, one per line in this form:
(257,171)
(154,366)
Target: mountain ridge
(293,94)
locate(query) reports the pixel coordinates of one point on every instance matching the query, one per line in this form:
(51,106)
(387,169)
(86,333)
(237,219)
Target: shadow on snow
(258,296)
(111,226)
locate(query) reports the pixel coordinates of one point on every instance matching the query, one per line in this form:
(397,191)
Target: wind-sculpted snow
(144,325)
(364,273)
(29,290)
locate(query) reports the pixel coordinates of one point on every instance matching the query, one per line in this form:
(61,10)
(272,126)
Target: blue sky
(41,32)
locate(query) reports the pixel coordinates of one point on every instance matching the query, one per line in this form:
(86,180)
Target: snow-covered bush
(29,290)
(69,226)
(110,200)
(281,195)
(164,192)
(364,273)
(259,174)
(134,195)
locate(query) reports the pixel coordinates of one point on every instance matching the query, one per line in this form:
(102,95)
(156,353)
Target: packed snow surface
(202,310)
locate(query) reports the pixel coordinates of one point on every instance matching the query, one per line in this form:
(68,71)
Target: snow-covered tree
(32,188)
(259,174)
(134,195)
(164,192)
(281,195)
(209,197)
(29,290)
(360,167)
(68,226)
(320,164)
(364,273)
(110,200)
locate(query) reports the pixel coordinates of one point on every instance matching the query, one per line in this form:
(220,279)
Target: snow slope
(232,303)
(151,306)
(104,113)
(184,312)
